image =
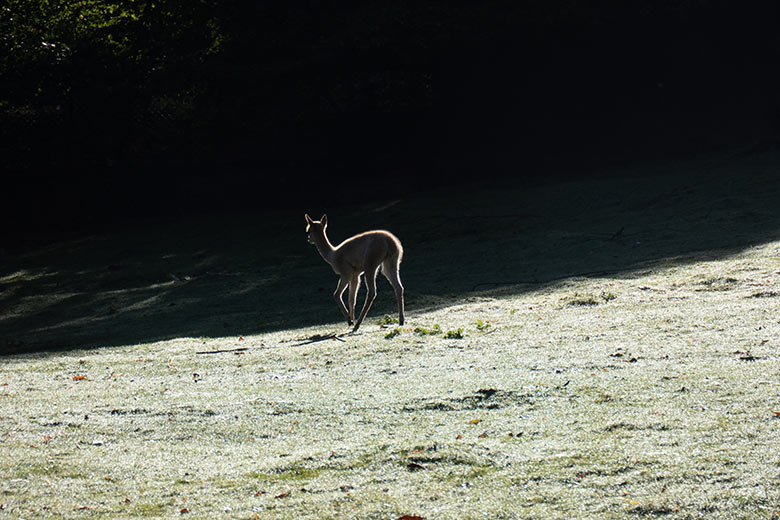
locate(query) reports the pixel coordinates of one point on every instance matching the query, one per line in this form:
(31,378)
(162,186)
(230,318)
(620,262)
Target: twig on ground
(240,349)
(316,338)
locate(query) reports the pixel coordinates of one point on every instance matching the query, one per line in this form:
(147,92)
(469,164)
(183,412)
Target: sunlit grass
(658,402)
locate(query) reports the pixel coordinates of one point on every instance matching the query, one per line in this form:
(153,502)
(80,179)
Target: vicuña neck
(324,246)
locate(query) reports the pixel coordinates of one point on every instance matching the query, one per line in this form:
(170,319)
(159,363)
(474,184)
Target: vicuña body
(363,253)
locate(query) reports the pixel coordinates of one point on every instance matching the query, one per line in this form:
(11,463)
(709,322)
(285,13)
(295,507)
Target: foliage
(454,334)
(91,84)
(423,331)
(266,67)
(393,333)
(387,320)
(53,49)
(108,95)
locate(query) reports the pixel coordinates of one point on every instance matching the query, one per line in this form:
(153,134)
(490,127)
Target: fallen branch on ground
(316,338)
(240,349)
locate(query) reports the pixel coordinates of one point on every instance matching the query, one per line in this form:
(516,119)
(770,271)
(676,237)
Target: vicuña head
(365,254)
(316,228)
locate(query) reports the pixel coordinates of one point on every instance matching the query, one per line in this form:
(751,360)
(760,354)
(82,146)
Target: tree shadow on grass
(244,274)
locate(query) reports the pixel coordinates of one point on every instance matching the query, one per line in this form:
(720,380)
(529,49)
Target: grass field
(618,359)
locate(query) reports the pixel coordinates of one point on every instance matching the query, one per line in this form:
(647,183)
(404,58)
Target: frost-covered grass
(660,401)
(618,359)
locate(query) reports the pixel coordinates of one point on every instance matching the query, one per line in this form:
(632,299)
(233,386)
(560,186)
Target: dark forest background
(118,109)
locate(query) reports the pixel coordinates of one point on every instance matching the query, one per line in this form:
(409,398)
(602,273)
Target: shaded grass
(244,274)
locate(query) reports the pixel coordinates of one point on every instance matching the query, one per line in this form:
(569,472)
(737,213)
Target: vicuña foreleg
(371,273)
(340,288)
(354,287)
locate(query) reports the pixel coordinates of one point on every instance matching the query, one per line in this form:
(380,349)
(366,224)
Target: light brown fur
(363,253)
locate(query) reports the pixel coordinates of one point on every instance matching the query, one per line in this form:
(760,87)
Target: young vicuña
(363,253)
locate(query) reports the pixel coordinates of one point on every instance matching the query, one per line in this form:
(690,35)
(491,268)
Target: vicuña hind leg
(393,276)
(371,286)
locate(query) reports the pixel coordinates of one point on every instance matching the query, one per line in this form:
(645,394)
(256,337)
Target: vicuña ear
(324,220)
(308,218)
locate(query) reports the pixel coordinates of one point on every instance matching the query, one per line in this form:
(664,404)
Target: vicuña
(363,253)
